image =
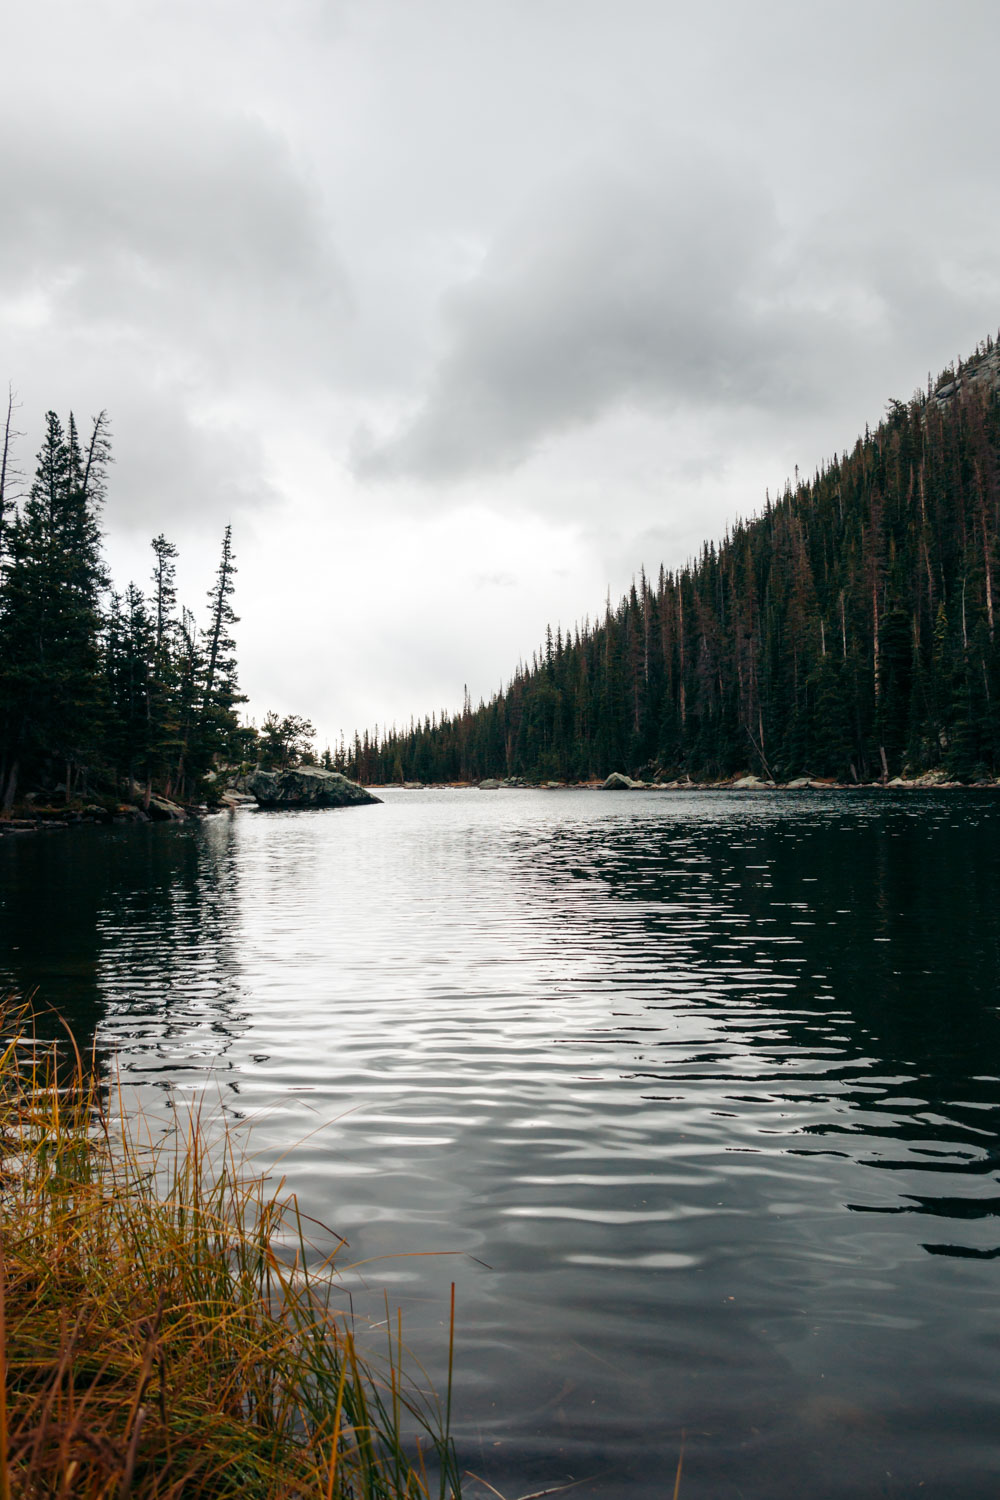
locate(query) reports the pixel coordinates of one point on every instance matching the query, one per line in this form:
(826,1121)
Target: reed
(164,1330)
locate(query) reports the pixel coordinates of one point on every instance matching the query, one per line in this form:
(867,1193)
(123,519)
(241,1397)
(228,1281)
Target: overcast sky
(462,310)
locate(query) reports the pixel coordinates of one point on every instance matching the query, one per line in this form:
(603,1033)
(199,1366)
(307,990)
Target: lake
(698,1090)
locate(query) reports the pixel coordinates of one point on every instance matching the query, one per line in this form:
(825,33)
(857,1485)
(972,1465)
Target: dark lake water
(701,1091)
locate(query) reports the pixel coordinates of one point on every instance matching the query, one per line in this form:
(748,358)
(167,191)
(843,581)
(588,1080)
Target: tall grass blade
(164,1334)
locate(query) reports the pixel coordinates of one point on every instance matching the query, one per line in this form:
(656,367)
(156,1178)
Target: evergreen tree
(129,693)
(220,693)
(50,620)
(164,725)
(285,742)
(131,736)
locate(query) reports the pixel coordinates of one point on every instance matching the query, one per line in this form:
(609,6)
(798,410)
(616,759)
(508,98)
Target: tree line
(101,692)
(847,631)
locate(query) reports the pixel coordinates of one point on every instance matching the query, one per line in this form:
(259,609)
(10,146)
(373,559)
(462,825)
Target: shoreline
(28,820)
(730,784)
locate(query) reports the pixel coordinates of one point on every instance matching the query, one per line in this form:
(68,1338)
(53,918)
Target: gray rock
(748,783)
(798,784)
(162,811)
(489,785)
(306,786)
(237,799)
(617,782)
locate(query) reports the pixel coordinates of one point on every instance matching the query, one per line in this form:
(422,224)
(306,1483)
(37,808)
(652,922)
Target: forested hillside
(101,694)
(849,630)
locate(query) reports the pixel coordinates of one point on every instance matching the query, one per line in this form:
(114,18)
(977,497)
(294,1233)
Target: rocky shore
(301,787)
(312,787)
(618,781)
(35,816)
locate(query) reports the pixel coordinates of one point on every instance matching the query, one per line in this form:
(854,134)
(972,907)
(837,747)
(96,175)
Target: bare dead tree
(9,473)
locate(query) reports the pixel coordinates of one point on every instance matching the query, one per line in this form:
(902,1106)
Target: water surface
(700,1091)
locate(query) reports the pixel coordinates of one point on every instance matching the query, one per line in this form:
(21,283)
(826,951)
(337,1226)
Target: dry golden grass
(158,1338)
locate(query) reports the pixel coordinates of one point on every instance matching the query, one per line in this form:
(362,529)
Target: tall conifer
(50,621)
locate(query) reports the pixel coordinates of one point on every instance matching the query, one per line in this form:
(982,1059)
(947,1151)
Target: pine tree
(50,621)
(164,725)
(130,638)
(220,693)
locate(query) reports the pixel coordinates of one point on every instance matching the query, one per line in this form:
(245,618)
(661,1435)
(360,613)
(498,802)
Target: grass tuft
(163,1332)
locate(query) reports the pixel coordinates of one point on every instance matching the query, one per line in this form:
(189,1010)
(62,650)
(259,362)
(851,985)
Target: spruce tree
(51,683)
(217,722)
(164,716)
(129,653)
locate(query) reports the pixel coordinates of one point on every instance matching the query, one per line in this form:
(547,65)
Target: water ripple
(697,1089)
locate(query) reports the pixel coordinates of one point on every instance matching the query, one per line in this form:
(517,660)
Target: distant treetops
(102,691)
(849,630)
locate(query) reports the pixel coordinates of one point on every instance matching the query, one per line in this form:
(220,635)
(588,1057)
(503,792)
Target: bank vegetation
(165,1329)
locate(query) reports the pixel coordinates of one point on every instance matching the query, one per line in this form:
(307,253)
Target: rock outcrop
(231,799)
(618,782)
(982,370)
(306,786)
(160,810)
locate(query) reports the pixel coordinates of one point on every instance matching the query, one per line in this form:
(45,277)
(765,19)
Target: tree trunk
(10,790)
(989,581)
(876,648)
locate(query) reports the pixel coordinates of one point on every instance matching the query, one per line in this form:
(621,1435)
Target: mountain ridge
(848,630)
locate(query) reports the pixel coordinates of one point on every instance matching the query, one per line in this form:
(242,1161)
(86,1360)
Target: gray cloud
(192,234)
(495,580)
(675,289)
(175,266)
(618,288)
(172,473)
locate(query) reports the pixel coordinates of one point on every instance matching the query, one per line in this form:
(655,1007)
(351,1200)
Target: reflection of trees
(129,935)
(843,965)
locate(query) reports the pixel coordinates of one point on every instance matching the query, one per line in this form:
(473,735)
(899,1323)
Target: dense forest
(847,631)
(102,694)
